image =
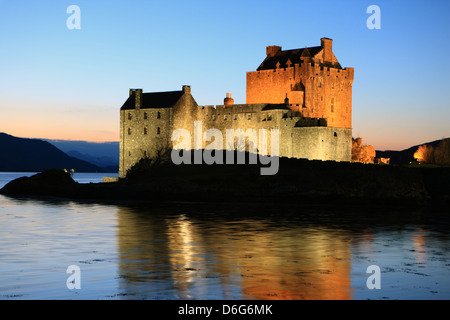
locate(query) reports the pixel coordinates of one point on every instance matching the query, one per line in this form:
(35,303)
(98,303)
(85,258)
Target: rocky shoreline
(298,182)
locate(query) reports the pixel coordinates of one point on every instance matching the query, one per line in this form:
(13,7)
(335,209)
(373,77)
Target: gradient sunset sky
(58,83)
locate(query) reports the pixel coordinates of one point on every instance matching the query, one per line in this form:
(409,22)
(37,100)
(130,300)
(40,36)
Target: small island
(298,182)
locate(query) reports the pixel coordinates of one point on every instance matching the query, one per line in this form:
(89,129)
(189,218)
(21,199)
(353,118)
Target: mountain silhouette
(34,155)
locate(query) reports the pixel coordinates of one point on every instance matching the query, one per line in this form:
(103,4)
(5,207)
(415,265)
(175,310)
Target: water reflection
(180,251)
(419,240)
(230,258)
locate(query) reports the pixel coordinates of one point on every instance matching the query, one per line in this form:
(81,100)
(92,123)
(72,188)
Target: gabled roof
(283,56)
(154,100)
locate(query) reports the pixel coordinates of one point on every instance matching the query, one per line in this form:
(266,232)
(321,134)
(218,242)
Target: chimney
(327,46)
(272,50)
(138,98)
(187,89)
(228,101)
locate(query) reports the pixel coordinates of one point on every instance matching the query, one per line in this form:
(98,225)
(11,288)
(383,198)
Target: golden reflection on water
(263,260)
(419,241)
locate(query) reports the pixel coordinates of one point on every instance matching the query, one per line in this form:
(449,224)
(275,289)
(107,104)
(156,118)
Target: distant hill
(102,154)
(34,155)
(404,156)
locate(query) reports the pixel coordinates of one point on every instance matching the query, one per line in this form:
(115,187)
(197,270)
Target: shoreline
(299,182)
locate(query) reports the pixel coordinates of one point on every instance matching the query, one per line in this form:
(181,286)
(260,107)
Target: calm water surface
(180,251)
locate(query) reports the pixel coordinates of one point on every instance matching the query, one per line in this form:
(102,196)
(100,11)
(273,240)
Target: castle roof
(154,100)
(283,56)
(276,106)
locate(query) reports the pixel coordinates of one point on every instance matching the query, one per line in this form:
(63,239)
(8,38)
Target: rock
(54,182)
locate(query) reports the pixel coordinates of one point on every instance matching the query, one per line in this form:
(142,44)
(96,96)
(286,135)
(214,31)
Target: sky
(62,83)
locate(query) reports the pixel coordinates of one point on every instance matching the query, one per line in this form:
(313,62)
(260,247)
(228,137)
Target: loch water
(218,251)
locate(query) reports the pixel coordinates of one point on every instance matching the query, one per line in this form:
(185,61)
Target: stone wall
(322,143)
(144,132)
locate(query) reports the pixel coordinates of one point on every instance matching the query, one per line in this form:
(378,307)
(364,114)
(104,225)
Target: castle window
(225,117)
(145,115)
(129,131)
(335,134)
(319,85)
(249,116)
(145,130)
(235,117)
(332,85)
(145,154)
(129,153)
(214,117)
(332,108)
(129,116)
(269,117)
(158,115)
(158,130)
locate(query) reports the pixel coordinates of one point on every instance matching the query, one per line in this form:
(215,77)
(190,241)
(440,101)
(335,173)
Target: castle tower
(314,81)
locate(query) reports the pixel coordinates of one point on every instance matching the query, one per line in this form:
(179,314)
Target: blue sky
(69,84)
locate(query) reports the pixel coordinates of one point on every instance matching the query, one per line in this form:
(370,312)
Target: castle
(304,93)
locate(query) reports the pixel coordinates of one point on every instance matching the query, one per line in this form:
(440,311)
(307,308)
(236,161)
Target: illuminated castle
(304,93)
